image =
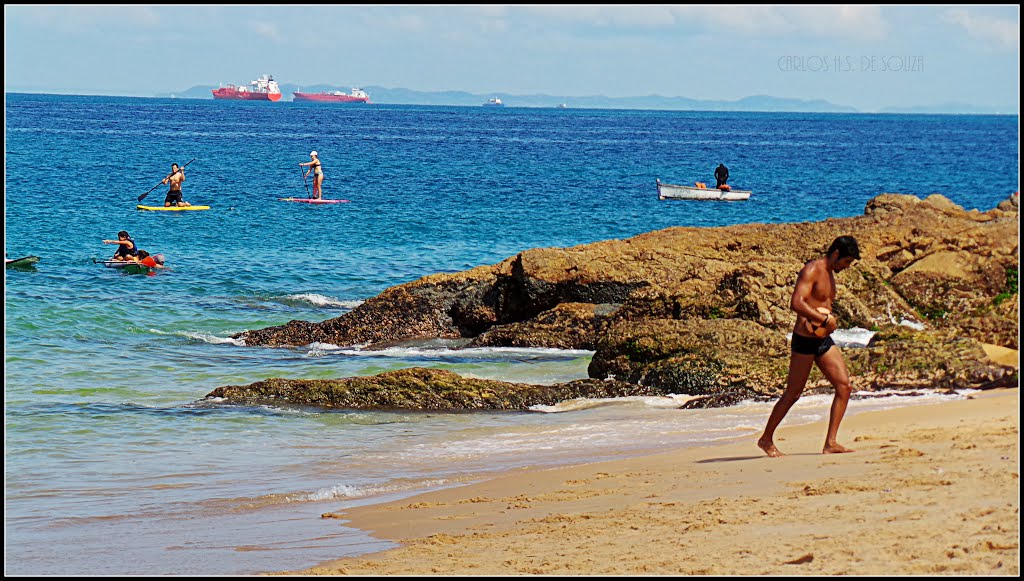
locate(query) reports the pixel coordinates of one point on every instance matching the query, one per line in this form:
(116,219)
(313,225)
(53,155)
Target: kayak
(114,263)
(171,208)
(127,266)
(23,262)
(136,268)
(312,200)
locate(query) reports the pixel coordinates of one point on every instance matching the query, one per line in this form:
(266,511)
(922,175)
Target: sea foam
(319,300)
(202,337)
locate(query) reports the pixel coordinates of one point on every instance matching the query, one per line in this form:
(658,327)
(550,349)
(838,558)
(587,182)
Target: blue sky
(868,57)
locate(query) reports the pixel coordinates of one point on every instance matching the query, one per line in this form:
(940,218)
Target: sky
(867,57)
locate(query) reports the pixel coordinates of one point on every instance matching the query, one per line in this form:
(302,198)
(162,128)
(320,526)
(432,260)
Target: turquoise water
(116,465)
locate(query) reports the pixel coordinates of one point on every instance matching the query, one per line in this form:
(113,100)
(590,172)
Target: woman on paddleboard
(318,174)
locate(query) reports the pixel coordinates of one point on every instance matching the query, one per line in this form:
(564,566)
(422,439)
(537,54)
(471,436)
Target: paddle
(304,181)
(143,196)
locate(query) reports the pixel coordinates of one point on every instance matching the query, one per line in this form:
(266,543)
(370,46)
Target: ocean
(115,463)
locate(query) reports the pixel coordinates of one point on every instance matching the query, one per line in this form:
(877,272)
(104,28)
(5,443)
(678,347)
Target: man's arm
(802,291)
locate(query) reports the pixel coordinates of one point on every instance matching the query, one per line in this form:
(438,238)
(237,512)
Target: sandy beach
(931,489)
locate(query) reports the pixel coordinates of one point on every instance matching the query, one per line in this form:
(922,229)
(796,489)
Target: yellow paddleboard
(172,208)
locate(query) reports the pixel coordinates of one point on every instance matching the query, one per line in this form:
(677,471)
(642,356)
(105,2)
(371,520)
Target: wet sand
(930,489)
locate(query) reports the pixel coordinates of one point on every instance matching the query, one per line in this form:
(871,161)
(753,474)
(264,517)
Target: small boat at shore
(695,192)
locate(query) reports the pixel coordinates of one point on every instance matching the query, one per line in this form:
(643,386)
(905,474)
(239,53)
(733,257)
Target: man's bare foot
(835,449)
(769,448)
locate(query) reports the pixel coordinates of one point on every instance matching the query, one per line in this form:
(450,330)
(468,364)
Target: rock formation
(704,311)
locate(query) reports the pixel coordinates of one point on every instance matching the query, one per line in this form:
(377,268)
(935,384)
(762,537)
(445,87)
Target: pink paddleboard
(312,201)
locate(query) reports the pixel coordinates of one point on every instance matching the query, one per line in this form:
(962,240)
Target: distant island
(401,96)
(758,103)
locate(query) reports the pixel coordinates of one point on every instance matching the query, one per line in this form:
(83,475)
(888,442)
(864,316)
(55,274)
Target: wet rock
(420,388)
(693,356)
(706,310)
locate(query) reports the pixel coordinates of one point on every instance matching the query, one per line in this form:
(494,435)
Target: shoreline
(930,489)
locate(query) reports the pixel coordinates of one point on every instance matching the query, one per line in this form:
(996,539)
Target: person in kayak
(318,174)
(152,261)
(175,180)
(721,175)
(126,248)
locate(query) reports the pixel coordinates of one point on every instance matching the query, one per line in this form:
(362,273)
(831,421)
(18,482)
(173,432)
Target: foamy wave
(204,337)
(320,300)
(510,353)
(925,392)
(854,337)
(912,324)
(317,349)
(349,491)
(655,402)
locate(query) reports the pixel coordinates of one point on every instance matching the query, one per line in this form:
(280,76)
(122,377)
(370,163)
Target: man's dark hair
(846,245)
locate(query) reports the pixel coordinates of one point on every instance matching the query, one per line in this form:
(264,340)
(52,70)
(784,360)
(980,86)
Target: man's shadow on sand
(739,458)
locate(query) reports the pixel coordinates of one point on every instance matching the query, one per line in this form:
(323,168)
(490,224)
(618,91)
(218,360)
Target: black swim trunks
(811,345)
(173,197)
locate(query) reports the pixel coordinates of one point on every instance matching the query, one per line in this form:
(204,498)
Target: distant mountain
(953,109)
(400,96)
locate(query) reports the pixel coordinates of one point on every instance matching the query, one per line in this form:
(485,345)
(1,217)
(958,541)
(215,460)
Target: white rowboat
(677,192)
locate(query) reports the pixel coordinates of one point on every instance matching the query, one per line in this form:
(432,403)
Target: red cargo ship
(262,89)
(356,96)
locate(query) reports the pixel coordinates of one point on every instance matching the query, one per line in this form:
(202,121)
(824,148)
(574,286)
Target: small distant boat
(356,96)
(494,103)
(262,89)
(695,192)
(563,106)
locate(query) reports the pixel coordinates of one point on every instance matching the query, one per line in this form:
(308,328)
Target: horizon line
(854,111)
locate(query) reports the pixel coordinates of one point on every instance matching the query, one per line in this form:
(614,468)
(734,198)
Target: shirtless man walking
(812,343)
(174,193)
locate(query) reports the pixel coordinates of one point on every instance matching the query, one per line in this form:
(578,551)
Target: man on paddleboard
(174,193)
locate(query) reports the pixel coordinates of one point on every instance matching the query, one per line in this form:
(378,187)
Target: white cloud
(863,22)
(1002,33)
(75,19)
(858,22)
(405,22)
(266,30)
(637,16)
